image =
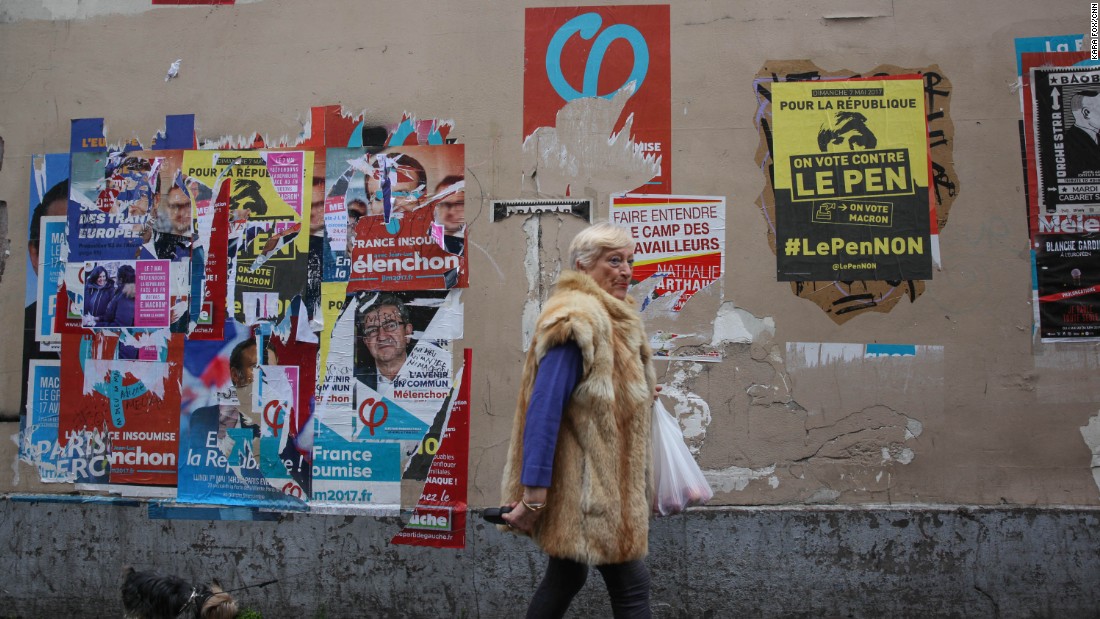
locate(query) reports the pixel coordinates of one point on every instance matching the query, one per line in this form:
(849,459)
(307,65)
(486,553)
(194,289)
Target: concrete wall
(983,417)
(780,562)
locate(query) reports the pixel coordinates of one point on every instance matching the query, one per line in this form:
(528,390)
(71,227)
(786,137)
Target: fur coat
(597,507)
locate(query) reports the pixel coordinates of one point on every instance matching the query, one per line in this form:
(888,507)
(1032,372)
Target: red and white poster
(582,52)
(439,518)
(681,239)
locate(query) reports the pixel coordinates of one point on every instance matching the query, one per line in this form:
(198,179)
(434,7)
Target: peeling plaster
(582,154)
(532,306)
(1091,434)
(735,325)
(736,478)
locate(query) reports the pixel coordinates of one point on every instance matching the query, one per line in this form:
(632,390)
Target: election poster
(120,408)
(679,239)
(1066,116)
(401,214)
(573,53)
(851,178)
(1068,286)
(269,193)
(48,204)
(110,203)
(224,434)
(38,443)
(439,517)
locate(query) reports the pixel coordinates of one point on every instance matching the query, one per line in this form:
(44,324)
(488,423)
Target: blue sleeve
(559,372)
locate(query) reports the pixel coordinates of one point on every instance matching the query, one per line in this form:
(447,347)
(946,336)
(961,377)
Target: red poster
(578,52)
(439,518)
(119,416)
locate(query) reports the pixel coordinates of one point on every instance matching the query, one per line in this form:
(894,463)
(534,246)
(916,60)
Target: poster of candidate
(679,239)
(47,252)
(851,178)
(573,53)
(1068,280)
(402,215)
(1065,106)
(269,202)
(228,450)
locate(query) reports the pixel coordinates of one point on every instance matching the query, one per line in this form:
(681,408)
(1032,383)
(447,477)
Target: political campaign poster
(111,203)
(851,180)
(221,428)
(1066,116)
(48,204)
(679,239)
(573,53)
(439,516)
(122,408)
(405,221)
(127,293)
(1068,286)
(269,202)
(38,443)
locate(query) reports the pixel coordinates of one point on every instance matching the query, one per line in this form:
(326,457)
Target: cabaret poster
(851,170)
(573,53)
(1066,118)
(679,239)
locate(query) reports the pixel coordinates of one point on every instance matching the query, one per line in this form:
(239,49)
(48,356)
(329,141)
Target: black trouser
(627,583)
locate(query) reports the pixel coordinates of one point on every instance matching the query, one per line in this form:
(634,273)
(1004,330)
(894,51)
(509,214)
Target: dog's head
(218,604)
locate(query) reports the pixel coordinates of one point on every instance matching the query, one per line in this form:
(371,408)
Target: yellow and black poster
(851,180)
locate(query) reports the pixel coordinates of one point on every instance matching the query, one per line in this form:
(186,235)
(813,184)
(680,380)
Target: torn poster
(439,517)
(405,217)
(111,199)
(851,180)
(588,52)
(679,239)
(269,203)
(47,252)
(221,449)
(119,415)
(38,443)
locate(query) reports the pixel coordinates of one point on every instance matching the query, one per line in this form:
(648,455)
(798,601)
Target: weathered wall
(982,417)
(782,562)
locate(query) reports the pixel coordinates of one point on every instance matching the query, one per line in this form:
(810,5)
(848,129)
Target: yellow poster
(851,173)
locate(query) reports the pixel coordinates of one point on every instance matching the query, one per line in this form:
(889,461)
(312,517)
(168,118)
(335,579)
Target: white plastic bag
(678,482)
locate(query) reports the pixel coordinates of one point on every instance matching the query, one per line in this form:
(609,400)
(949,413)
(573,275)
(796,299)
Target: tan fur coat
(597,507)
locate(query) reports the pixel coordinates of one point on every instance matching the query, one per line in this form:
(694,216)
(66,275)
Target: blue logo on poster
(587,26)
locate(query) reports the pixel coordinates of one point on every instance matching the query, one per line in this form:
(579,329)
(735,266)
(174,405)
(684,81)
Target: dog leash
(262,584)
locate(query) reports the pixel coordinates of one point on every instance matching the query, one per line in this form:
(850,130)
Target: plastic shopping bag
(678,482)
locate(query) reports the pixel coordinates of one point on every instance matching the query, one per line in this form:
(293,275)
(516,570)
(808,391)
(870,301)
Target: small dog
(146,595)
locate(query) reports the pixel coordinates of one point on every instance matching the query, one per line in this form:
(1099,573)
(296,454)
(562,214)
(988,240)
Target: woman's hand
(521,518)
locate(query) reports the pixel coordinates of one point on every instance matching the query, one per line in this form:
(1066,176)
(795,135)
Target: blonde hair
(587,246)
